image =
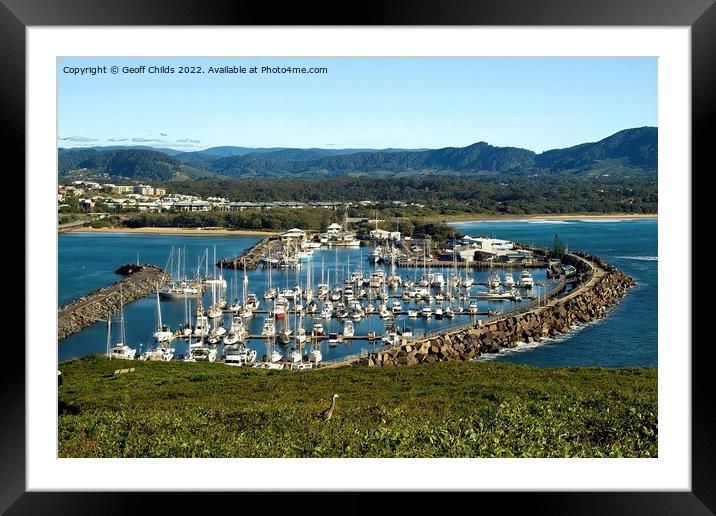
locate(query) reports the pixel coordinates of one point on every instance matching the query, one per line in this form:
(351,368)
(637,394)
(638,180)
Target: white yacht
(384,312)
(295,356)
(218,330)
(280,307)
(241,356)
(390,336)
(412,313)
(252,301)
(315,356)
(301,335)
(377,279)
(318,328)
(230,339)
(120,349)
(438,280)
(333,339)
(164,334)
(472,308)
(284,336)
(202,326)
(214,312)
(158,354)
(123,351)
(526,280)
(204,354)
(494,280)
(312,307)
(449,313)
(269,328)
(509,281)
(348,328)
(394,281)
(327,311)
(426,312)
(438,312)
(323,290)
(180,290)
(275,357)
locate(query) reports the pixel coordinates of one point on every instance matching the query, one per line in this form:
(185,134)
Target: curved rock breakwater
(601,286)
(141,281)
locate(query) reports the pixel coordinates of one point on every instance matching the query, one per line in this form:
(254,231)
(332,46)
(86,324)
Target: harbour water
(628,336)
(86,261)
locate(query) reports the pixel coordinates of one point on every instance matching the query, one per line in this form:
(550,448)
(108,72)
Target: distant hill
(281,152)
(477,157)
(626,152)
(129,163)
(634,147)
(164,150)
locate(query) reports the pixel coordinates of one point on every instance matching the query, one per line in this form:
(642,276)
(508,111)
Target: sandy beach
(467,217)
(176,231)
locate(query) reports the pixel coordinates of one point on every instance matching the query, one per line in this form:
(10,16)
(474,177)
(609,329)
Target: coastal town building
(382,235)
(144,189)
(192,205)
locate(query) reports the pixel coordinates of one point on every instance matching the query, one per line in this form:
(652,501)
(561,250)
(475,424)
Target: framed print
(440,231)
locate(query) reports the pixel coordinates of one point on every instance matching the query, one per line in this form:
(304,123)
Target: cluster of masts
(291,255)
(349,301)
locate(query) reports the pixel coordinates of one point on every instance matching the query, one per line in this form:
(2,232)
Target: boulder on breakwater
(140,281)
(601,286)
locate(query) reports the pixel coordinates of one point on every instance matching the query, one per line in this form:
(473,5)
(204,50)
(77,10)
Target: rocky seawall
(249,257)
(600,286)
(141,281)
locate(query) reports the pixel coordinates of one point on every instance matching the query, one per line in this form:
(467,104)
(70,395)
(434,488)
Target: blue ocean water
(86,261)
(628,337)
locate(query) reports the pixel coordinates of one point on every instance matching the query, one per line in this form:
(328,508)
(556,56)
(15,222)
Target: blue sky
(535,103)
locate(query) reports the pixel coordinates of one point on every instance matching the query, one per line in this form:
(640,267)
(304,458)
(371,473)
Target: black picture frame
(700,15)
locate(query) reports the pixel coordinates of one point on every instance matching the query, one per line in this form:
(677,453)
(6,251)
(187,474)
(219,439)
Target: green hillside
(627,152)
(447,409)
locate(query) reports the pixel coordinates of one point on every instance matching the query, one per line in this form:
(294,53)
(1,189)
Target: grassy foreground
(448,409)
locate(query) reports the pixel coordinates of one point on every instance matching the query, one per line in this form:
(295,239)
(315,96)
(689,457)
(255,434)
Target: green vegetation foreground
(446,409)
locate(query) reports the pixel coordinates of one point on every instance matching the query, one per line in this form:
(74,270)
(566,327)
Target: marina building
(294,235)
(192,205)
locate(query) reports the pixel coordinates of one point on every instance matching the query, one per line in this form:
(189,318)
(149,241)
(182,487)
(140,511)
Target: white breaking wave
(640,258)
(548,221)
(523,346)
(482,221)
(602,220)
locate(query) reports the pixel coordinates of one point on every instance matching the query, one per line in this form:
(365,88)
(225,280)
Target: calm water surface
(86,262)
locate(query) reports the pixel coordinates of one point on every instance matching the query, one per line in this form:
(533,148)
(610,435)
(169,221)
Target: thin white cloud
(78,139)
(141,140)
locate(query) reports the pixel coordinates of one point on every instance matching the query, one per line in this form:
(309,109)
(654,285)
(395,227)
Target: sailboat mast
(121,316)
(245,282)
(215,261)
(235,293)
(159,311)
(109,332)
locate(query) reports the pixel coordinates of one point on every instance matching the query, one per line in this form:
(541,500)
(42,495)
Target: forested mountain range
(631,151)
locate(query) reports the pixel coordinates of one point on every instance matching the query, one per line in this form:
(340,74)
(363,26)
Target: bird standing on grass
(326,414)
